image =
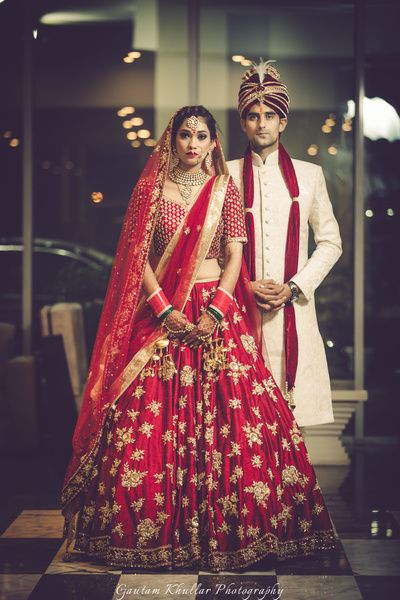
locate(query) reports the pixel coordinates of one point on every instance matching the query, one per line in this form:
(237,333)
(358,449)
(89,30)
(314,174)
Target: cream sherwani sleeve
(327,239)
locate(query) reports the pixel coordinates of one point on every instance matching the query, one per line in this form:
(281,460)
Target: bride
(185,452)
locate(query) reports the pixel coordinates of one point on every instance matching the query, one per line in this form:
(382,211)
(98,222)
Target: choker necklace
(186,180)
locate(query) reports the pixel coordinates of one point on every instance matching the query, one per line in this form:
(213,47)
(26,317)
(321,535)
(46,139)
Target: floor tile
(17,587)
(79,587)
(27,555)
(156,587)
(36,524)
(373,557)
(238,587)
(316,587)
(382,588)
(327,562)
(80,564)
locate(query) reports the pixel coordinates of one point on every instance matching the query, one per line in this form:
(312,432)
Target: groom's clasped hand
(270,296)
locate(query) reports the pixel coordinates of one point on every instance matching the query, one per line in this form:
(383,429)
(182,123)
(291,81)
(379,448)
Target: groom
(282,197)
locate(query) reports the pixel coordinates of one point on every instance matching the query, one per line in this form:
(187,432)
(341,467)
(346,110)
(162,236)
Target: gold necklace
(186,180)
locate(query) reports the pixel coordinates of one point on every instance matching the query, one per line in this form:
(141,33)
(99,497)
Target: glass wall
(382,219)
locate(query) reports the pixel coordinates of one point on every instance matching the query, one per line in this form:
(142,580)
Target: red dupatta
(291,252)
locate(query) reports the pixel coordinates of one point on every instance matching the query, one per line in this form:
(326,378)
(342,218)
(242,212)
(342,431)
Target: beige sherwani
(271,207)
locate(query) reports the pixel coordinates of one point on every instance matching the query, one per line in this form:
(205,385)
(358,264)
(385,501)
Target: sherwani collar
(271,160)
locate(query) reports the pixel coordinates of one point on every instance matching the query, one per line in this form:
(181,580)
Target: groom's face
(262,126)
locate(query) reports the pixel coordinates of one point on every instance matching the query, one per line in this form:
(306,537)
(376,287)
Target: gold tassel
(166,368)
(289,397)
(215,358)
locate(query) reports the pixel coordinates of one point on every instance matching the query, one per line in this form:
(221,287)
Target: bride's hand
(204,327)
(176,322)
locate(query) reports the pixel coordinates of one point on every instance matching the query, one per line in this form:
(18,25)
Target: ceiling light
(136,144)
(312,150)
(135,54)
(144,133)
(150,142)
(237,58)
(132,135)
(137,121)
(326,129)
(332,150)
(127,124)
(128,59)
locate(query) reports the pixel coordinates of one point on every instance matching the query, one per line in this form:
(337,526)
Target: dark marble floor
(363,500)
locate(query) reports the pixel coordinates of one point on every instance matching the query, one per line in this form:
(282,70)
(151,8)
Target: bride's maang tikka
(192,123)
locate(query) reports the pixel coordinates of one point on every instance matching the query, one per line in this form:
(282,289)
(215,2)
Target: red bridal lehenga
(197,459)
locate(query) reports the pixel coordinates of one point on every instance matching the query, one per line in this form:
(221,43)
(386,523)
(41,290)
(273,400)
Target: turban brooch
(261,84)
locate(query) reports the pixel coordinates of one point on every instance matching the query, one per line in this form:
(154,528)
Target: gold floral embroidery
(114,467)
(187,375)
(260,491)
(237,318)
(159,498)
(131,478)
(236,370)
(270,386)
(137,504)
(88,513)
(318,508)
(256,461)
(137,454)
(159,477)
(105,515)
(139,391)
(237,474)
(182,402)
(245,511)
(253,531)
(285,444)
(146,530)
(285,514)
(253,434)
(180,473)
(273,428)
(133,414)
(154,407)
(235,403)
(209,435)
(258,388)
(256,411)
(101,488)
(235,449)
(299,497)
(185,501)
(225,430)
(240,532)
(146,428)
(304,525)
(249,345)
(119,528)
(124,437)
(217,461)
(224,527)
(229,504)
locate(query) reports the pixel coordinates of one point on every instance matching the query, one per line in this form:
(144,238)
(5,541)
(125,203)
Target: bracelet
(166,312)
(188,327)
(221,302)
(214,314)
(159,303)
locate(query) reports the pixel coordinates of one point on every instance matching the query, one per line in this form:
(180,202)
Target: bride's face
(192,142)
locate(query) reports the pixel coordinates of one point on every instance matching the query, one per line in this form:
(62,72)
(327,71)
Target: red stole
(291,250)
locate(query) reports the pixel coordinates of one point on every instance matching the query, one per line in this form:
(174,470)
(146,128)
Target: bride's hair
(196,111)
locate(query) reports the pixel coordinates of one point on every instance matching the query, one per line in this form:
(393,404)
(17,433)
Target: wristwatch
(295,291)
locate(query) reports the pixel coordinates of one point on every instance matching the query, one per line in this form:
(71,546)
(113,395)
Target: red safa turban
(261,84)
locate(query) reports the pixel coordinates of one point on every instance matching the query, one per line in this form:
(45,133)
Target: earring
(174,162)
(208,161)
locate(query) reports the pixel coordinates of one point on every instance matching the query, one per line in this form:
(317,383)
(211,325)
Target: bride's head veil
(117,322)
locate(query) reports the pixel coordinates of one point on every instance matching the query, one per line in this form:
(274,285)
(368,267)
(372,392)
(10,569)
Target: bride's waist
(209,270)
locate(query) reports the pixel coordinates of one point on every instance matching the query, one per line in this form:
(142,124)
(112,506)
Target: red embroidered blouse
(231,226)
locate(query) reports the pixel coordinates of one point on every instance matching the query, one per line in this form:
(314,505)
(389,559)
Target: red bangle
(221,301)
(158,302)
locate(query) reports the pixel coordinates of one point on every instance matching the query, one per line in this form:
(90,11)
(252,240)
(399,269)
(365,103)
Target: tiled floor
(363,502)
